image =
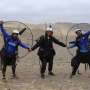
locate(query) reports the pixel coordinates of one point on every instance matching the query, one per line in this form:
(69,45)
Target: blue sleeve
(23,45)
(72,44)
(5,34)
(87,34)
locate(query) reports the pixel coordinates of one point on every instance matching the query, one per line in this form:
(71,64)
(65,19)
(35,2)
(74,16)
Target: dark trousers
(8,60)
(79,58)
(44,61)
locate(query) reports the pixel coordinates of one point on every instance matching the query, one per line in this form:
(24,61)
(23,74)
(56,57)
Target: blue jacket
(82,43)
(11,44)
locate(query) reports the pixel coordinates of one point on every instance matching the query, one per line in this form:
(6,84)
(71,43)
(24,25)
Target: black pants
(8,60)
(1,56)
(44,61)
(79,58)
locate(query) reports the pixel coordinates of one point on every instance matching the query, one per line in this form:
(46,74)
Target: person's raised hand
(1,22)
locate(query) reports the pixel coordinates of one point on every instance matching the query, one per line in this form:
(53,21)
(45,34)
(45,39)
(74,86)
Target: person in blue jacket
(11,43)
(83,52)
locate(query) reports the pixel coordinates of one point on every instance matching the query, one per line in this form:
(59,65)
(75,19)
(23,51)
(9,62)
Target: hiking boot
(42,76)
(51,73)
(14,76)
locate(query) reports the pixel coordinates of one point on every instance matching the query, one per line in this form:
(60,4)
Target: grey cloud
(46,10)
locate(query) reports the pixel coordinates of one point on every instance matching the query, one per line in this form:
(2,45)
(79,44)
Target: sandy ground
(29,76)
(28,71)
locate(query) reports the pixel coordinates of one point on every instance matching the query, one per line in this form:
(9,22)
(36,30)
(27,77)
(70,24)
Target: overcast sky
(46,10)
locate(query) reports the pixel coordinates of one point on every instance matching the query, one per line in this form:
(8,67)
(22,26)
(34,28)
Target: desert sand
(28,69)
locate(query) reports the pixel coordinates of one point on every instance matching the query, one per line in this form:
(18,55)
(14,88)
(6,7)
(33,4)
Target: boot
(51,73)
(42,76)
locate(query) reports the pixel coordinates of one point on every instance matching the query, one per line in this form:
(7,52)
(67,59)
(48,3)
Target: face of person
(49,33)
(79,33)
(15,35)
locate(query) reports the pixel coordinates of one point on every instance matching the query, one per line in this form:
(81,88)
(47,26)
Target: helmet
(76,30)
(49,29)
(16,31)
